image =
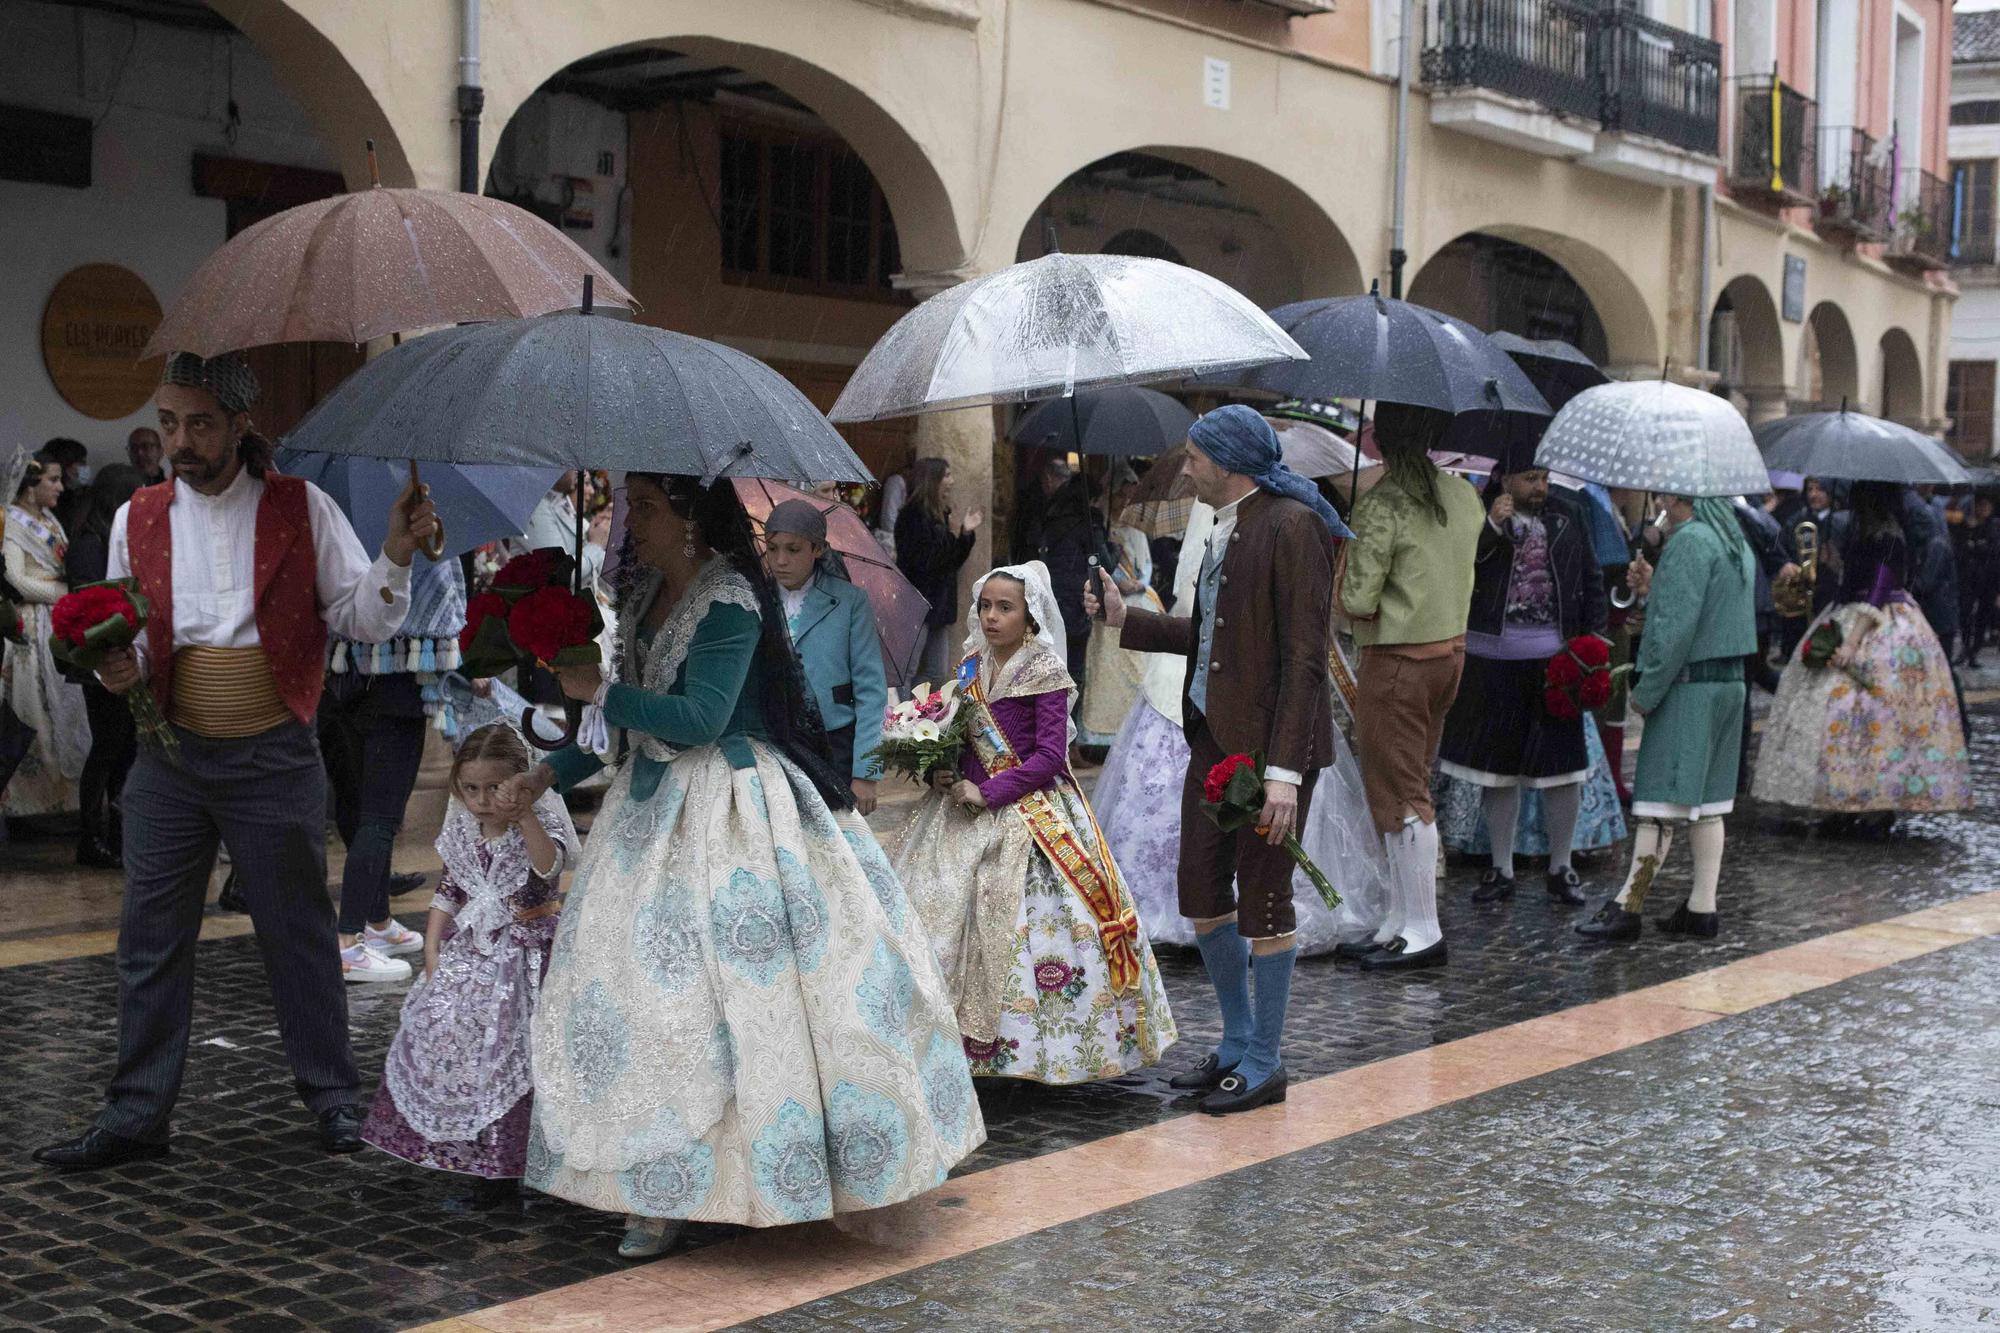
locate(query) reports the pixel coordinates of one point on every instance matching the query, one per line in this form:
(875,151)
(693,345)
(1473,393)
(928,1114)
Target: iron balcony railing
(1659,80)
(1922,234)
(1777,146)
(1538,50)
(1854,185)
(1590,58)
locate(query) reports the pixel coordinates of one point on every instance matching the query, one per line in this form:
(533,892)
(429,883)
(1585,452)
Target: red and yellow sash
(1095,883)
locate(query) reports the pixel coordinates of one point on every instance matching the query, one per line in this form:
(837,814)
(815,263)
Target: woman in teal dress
(1701,622)
(742,1019)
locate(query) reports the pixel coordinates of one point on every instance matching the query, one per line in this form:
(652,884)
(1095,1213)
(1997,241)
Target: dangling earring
(687,541)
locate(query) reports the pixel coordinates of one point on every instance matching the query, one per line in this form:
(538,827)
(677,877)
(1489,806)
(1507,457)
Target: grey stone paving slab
(249,1226)
(1786,1168)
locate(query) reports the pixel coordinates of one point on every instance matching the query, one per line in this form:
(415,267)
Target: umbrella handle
(572,722)
(433,545)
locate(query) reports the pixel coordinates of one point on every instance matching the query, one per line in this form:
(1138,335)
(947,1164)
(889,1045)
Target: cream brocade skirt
(1020,950)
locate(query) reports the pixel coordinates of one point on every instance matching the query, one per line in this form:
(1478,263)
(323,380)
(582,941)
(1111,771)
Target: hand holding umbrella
(413,522)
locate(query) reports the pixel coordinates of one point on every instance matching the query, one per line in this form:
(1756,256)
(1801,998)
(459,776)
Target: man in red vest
(246,570)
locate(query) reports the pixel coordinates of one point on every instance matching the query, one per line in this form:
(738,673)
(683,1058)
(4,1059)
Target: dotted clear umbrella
(1058,325)
(1651,435)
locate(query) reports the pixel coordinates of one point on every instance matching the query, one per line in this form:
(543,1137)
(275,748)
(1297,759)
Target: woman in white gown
(45,783)
(742,1019)
(1138,800)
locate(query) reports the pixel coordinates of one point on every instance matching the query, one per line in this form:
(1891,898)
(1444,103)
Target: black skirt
(1499,733)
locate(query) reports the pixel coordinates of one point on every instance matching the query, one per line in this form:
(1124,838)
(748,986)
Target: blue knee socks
(1274,993)
(1227,956)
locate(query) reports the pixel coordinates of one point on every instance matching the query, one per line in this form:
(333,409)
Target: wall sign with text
(97,321)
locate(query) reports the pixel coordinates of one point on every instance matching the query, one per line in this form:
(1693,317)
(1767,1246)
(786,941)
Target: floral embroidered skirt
(742,1020)
(1138,803)
(1890,740)
(1462,816)
(1021,951)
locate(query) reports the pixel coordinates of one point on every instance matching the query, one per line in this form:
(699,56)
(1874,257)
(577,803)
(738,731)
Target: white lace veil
(1048,618)
(13,466)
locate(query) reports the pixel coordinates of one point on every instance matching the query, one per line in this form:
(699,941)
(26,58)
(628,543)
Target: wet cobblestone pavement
(1782,1169)
(249,1227)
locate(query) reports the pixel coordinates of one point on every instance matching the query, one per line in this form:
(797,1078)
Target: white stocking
(1650,846)
(1392,919)
(1705,841)
(1413,864)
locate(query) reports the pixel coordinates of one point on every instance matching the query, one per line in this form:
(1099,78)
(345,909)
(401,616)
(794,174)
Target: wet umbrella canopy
(477,502)
(1852,446)
(1558,370)
(363,265)
(1387,351)
(1650,435)
(579,391)
(1126,421)
(1055,326)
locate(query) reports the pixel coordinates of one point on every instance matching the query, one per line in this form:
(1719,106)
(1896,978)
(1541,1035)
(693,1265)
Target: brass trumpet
(1793,597)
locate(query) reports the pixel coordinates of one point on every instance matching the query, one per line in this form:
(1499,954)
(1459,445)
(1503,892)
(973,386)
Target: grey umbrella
(580,391)
(1853,446)
(1387,351)
(1558,370)
(1126,421)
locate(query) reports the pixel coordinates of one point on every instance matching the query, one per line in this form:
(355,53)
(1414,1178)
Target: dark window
(1968,401)
(802,209)
(45,148)
(1976,113)
(1972,195)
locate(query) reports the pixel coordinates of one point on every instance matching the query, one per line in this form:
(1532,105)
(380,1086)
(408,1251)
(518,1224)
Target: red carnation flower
(476,613)
(532,570)
(549,620)
(1579,678)
(1217,783)
(76,614)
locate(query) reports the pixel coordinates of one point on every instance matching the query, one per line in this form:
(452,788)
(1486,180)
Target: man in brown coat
(1256,684)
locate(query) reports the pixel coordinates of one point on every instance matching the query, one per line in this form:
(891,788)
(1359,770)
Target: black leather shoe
(1396,954)
(1611,923)
(340,1129)
(1233,1095)
(1353,949)
(1494,887)
(97,1147)
(230,899)
(95,854)
(1206,1074)
(1694,925)
(408,882)
(1565,887)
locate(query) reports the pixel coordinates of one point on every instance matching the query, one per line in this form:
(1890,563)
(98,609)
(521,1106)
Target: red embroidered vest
(287,583)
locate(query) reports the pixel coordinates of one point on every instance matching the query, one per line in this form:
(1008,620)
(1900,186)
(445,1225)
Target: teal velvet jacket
(842,653)
(715,699)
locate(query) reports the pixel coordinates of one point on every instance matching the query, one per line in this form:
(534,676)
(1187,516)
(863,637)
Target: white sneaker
(397,939)
(359,962)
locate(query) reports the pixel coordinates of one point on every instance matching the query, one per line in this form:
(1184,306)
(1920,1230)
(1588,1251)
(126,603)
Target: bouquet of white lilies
(922,733)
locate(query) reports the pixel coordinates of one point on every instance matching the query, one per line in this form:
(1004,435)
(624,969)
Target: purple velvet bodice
(1037,730)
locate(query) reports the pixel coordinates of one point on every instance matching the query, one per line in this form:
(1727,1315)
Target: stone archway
(1902,380)
(1498,284)
(1631,333)
(1747,348)
(1829,372)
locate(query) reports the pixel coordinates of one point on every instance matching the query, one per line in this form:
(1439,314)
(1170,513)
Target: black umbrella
(1127,421)
(1387,351)
(580,391)
(1558,370)
(1852,446)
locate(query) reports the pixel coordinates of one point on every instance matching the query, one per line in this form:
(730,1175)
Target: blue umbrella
(479,502)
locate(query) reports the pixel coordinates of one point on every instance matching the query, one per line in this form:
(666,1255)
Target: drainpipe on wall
(1396,252)
(1705,280)
(471,97)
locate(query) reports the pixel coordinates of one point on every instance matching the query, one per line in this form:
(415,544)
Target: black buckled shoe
(1397,954)
(1208,1073)
(1233,1094)
(97,1147)
(1693,925)
(1565,886)
(1494,887)
(1611,924)
(340,1129)
(1350,950)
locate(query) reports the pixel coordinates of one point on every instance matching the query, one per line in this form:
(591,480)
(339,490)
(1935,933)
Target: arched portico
(1901,379)
(1830,366)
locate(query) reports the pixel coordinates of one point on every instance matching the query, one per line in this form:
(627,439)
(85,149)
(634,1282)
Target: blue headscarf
(1239,439)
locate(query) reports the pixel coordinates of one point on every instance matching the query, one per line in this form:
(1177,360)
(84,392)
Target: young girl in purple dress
(456,1088)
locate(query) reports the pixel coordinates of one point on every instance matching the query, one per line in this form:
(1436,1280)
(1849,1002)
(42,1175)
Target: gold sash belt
(225,693)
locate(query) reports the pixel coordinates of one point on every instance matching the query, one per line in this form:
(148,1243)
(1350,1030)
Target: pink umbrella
(900,610)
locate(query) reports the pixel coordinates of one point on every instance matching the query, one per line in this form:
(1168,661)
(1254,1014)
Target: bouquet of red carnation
(530,612)
(1819,647)
(1233,796)
(1579,678)
(88,625)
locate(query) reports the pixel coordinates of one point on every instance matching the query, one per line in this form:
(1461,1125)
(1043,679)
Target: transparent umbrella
(1056,325)
(1650,435)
